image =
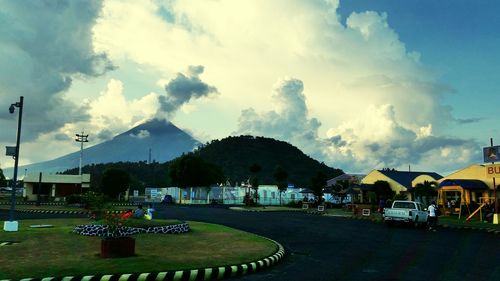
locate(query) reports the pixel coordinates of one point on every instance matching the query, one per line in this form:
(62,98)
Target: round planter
(118,247)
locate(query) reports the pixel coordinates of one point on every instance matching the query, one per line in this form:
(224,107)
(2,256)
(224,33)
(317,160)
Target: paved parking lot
(331,248)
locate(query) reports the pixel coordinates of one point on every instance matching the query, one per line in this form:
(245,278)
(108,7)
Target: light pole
(12,225)
(81,139)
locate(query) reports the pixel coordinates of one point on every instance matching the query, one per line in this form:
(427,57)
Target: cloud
(142,134)
(46,44)
(112,113)
(378,140)
(378,104)
(288,121)
(469,120)
(368,102)
(183,88)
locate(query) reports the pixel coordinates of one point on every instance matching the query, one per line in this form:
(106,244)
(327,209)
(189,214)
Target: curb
(290,211)
(209,273)
(33,211)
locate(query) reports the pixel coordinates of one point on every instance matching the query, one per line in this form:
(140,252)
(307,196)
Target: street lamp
(81,139)
(12,225)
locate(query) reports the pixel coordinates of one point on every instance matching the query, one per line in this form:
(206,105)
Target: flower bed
(103,230)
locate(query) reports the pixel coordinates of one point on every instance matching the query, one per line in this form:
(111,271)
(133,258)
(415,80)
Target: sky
(358,85)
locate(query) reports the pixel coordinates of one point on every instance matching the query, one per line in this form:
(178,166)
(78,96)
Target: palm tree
(254,181)
(425,190)
(280,176)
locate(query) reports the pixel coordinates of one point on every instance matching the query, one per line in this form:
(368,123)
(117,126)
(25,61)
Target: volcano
(155,140)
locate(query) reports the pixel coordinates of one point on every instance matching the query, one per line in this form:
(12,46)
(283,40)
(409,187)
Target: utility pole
(495,215)
(81,139)
(12,225)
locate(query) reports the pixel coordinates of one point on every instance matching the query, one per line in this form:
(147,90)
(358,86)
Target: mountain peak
(153,127)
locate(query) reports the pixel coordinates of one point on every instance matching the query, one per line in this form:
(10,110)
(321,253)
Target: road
(331,248)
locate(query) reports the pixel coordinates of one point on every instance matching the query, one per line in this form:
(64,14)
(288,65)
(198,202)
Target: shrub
(400,196)
(74,199)
(294,204)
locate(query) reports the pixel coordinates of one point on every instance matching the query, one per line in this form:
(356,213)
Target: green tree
(3,181)
(318,183)
(339,186)
(383,190)
(114,181)
(400,196)
(280,177)
(254,180)
(425,191)
(191,171)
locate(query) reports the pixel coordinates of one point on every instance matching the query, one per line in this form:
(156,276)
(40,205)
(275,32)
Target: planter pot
(117,247)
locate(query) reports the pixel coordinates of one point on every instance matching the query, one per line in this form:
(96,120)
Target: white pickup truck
(407,212)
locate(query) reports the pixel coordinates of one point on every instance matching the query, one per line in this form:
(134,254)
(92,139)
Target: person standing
(432,219)
(149,212)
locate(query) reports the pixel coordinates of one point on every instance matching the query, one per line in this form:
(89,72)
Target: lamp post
(12,225)
(81,139)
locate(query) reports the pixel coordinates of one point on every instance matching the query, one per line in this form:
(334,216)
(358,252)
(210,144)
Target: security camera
(12,109)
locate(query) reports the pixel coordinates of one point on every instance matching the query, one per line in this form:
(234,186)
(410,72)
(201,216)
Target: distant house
(401,182)
(351,178)
(54,187)
(333,196)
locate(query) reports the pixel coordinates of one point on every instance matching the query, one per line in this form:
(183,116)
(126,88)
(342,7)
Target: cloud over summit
(184,88)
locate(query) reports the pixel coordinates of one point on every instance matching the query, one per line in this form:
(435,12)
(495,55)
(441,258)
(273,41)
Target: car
(167,199)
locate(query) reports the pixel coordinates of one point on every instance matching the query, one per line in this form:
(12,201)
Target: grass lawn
(474,222)
(43,252)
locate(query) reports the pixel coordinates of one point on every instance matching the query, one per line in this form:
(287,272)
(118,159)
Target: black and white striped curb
(7,243)
(33,203)
(64,203)
(209,273)
(35,211)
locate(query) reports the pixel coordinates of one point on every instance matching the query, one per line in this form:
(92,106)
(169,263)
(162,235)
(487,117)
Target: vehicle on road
(409,212)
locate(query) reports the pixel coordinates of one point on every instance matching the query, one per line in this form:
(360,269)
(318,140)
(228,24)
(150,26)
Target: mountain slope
(236,154)
(165,140)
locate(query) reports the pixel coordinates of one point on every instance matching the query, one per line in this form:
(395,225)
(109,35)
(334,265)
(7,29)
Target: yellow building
(400,182)
(469,185)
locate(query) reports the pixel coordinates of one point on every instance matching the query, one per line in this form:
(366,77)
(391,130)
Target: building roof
(467,184)
(57,178)
(405,178)
(344,177)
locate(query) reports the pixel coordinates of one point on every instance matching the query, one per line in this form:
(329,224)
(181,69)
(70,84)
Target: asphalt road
(330,248)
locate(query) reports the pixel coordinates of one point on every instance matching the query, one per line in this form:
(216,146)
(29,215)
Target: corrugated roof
(467,184)
(405,178)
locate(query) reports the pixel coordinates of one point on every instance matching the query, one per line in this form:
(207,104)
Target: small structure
(50,187)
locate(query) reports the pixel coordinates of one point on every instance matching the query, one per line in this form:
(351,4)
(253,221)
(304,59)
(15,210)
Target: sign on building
(493,171)
(491,154)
